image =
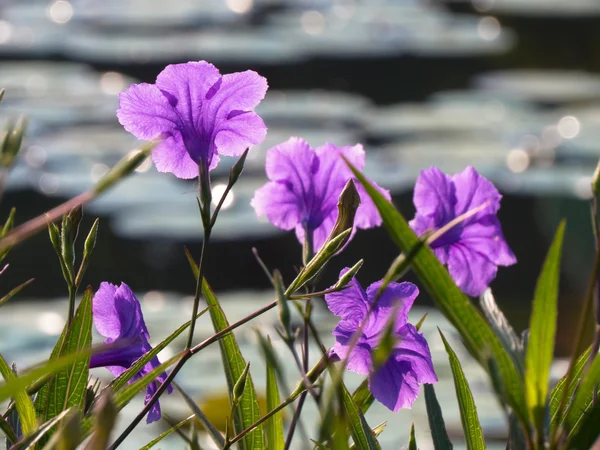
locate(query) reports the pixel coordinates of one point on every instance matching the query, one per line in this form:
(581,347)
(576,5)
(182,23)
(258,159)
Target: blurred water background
(509,86)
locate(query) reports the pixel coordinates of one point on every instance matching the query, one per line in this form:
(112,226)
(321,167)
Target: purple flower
(118,317)
(197,112)
(396,382)
(475,248)
(305,186)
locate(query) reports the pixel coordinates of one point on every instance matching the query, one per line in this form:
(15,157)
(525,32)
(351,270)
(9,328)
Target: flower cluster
(199,114)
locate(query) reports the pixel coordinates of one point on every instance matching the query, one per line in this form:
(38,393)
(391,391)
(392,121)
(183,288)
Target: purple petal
(394,384)
(472,190)
(351,303)
(486,237)
(155,413)
(359,360)
(235,135)
(396,295)
(172,156)
(294,162)
(434,196)
(367,215)
(472,271)
(276,201)
(238,91)
(413,348)
(145,112)
(117,313)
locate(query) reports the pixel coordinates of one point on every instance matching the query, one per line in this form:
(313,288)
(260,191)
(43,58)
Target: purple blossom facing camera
(396,383)
(197,113)
(305,185)
(474,248)
(118,317)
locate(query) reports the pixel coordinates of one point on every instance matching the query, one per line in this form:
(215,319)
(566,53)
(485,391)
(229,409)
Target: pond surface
(416,82)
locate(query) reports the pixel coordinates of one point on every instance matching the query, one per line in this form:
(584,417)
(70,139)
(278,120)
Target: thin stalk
(198,293)
(186,355)
(295,421)
(72,294)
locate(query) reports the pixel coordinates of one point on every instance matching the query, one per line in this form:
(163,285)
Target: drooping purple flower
(397,381)
(118,317)
(197,112)
(305,186)
(475,248)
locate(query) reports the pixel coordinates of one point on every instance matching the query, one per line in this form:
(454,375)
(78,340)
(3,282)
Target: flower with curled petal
(396,382)
(118,317)
(305,185)
(475,247)
(197,113)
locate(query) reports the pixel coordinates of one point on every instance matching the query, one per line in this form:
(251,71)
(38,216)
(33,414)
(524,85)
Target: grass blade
(164,434)
(479,338)
(361,431)
(542,330)
(201,417)
(362,396)
(441,441)
(274,426)
(468,410)
(23,402)
(15,291)
(247,412)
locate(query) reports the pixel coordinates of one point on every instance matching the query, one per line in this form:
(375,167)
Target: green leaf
(122,379)
(556,393)
(23,402)
(376,432)
(587,431)
(363,397)
(33,376)
(248,412)
(164,434)
(105,415)
(68,387)
(479,338)
(466,404)
(542,329)
(7,430)
(201,417)
(274,425)
(68,436)
(361,431)
(441,441)
(412,442)
(581,406)
(14,292)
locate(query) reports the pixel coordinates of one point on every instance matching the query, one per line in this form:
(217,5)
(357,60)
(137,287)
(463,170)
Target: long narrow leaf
(248,411)
(582,403)
(556,393)
(587,431)
(23,402)
(542,330)
(68,387)
(363,397)
(164,434)
(15,291)
(441,441)
(479,338)
(7,430)
(361,431)
(376,432)
(468,410)
(274,426)
(201,417)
